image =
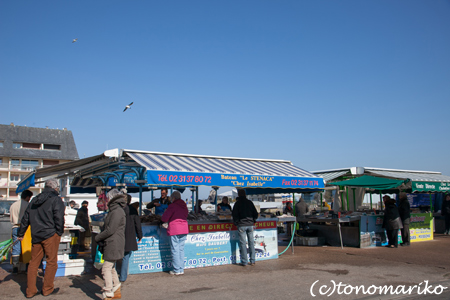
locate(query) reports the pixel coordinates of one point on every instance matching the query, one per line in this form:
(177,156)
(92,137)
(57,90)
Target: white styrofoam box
(69,267)
(73,271)
(74,262)
(63,257)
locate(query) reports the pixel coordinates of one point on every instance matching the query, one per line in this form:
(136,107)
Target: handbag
(98,261)
(396,223)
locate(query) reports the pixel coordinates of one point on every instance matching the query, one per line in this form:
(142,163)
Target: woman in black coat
(392,222)
(133,230)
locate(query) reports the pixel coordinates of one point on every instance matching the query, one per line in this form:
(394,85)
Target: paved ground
(289,277)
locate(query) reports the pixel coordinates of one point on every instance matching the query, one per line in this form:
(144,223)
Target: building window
(52,147)
(29,164)
(14,177)
(12,193)
(17,145)
(1,144)
(48,162)
(15,162)
(31,146)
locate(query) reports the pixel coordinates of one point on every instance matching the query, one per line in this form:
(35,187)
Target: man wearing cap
(82,219)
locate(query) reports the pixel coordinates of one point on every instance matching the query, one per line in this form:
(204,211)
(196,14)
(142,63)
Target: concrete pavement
(288,277)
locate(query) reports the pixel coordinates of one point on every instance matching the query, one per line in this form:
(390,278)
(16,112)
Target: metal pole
(354,199)
(348,202)
(371,201)
(321,201)
(196,194)
(381,201)
(140,199)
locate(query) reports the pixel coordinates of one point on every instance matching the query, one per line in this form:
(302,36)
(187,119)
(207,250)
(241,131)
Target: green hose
(292,238)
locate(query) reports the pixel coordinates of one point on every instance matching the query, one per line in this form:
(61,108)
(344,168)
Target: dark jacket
(45,215)
(159,210)
(244,212)
(82,218)
(224,206)
(404,210)
(133,228)
(301,208)
(445,208)
(391,219)
(113,233)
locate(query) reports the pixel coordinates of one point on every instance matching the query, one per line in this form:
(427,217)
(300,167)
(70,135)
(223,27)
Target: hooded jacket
(113,233)
(391,219)
(244,212)
(45,215)
(176,215)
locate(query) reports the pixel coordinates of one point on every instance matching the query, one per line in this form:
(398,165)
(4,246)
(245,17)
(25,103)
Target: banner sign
(243,181)
(416,200)
(421,227)
(26,184)
(427,186)
(129,179)
(206,245)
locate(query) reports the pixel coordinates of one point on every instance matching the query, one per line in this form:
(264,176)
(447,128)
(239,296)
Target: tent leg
(371,201)
(354,199)
(140,199)
(340,234)
(348,203)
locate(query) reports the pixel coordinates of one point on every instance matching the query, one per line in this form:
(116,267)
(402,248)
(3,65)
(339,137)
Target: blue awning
(195,170)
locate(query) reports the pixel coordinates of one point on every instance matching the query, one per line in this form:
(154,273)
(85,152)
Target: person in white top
(16,211)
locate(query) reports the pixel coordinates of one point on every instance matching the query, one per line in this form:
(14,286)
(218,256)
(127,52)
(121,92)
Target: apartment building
(23,149)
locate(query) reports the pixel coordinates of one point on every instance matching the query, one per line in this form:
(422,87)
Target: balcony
(23,167)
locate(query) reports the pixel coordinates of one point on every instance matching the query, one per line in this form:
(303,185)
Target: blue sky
(325,84)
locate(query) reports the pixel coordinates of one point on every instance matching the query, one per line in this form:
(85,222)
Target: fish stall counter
(209,243)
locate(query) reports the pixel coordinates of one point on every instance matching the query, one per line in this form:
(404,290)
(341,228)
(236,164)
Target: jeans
(246,234)
(177,249)
(17,249)
(123,272)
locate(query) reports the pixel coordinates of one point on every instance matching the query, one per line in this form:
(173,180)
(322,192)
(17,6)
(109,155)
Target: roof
(10,134)
(171,169)
(377,183)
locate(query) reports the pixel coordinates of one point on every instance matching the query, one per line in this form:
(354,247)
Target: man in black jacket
(244,217)
(45,215)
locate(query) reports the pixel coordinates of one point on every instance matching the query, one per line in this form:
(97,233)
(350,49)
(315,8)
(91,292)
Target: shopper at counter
(16,211)
(244,217)
(133,230)
(224,206)
(301,208)
(392,222)
(176,215)
(160,204)
(198,207)
(82,219)
(113,236)
(404,210)
(445,211)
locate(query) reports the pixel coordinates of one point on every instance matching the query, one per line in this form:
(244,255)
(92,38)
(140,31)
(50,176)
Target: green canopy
(376,183)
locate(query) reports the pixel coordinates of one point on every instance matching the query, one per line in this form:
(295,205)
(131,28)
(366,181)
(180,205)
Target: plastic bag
(5,248)
(98,262)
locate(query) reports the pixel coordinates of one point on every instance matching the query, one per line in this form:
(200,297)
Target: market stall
(213,238)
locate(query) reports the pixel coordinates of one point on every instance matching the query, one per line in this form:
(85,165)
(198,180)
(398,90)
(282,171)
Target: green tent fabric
(371,182)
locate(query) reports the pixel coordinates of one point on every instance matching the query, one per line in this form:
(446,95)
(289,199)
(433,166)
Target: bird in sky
(74,40)
(128,106)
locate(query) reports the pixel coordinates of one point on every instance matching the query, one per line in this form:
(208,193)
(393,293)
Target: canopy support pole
(371,201)
(354,199)
(192,199)
(215,197)
(140,199)
(321,201)
(431,204)
(348,202)
(381,201)
(196,195)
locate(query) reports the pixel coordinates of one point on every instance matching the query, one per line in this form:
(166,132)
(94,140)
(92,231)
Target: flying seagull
(128,106)
(74,40)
